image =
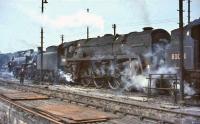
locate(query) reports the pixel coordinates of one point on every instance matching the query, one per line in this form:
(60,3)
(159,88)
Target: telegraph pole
(62,38)
(189,11)
(114,32)
(88,26)
(42,42)
(43,2)
(114,29)
(181,38)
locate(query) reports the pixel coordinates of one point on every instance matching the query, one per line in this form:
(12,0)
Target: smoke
(132,75)
(165,69)
(67,77)
(143,9)
(133,81)
(6,75)
(135,78)
(188,89)
(26,43)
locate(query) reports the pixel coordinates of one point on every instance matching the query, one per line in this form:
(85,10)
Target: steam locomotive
(22,59)
(101,61)
(4,59)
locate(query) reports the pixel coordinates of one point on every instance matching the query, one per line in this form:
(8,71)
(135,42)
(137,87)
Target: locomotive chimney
(147,29)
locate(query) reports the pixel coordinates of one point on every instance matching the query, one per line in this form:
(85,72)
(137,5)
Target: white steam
(188,89)
(65,76)
(134,80)
(131,79)
(6,75)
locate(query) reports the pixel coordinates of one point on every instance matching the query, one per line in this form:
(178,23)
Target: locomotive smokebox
(147,29)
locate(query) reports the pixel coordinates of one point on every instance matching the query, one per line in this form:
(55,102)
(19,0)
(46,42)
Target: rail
(130,108)
(7,100)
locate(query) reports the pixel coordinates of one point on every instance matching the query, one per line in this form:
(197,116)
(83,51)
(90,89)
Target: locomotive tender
(191,53)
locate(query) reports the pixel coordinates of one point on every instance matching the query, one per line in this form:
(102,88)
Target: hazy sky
(21,20)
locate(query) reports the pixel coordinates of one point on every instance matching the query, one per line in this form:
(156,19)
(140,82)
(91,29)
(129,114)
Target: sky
(21,20)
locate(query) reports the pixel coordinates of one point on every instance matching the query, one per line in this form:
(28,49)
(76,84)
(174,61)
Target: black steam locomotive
(21,59)
(100,60)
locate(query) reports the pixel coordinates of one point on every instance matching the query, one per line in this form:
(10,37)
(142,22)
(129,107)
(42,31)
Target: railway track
(50,117)
(141,111)
(45,110)
(28,110)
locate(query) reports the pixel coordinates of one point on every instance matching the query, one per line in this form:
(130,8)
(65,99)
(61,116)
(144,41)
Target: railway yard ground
(34,104)
(100,62)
